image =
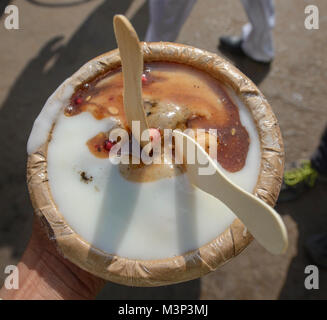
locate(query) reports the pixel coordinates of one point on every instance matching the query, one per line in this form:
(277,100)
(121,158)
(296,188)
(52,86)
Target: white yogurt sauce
(150,220)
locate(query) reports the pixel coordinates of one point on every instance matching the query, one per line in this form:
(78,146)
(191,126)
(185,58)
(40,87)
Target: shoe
(316,247)
(299,177)
(233,45)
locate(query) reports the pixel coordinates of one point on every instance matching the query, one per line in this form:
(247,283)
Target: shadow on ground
(310,214)
(3,5)
(42,75)
(53,4)
(257,72)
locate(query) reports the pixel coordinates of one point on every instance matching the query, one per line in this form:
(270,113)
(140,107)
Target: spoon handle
(132,65)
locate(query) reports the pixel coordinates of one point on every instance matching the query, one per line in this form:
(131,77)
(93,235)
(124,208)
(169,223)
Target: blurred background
(56,37)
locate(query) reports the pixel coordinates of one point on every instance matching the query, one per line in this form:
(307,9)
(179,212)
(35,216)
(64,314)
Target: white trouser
(257,34)
(168,16)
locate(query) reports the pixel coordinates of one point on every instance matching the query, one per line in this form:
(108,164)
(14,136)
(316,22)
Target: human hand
(45,274)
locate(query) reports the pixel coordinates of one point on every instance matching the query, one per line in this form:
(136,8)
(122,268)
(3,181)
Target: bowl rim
(195,263)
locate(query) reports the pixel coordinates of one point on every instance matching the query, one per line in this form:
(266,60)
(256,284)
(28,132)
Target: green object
(302,174)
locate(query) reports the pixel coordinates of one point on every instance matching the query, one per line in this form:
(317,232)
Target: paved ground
(55,40)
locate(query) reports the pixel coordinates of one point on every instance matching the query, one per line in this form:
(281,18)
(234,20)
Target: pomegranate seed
(78,100)
(108,145)
(144,78)
(155,135)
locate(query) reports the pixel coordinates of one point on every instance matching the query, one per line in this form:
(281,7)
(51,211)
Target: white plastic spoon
(262,221)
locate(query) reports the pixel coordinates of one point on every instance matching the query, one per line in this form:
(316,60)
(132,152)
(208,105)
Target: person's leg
(316,246)
(303,174)
(167,18)
(257,38)
(319,158)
